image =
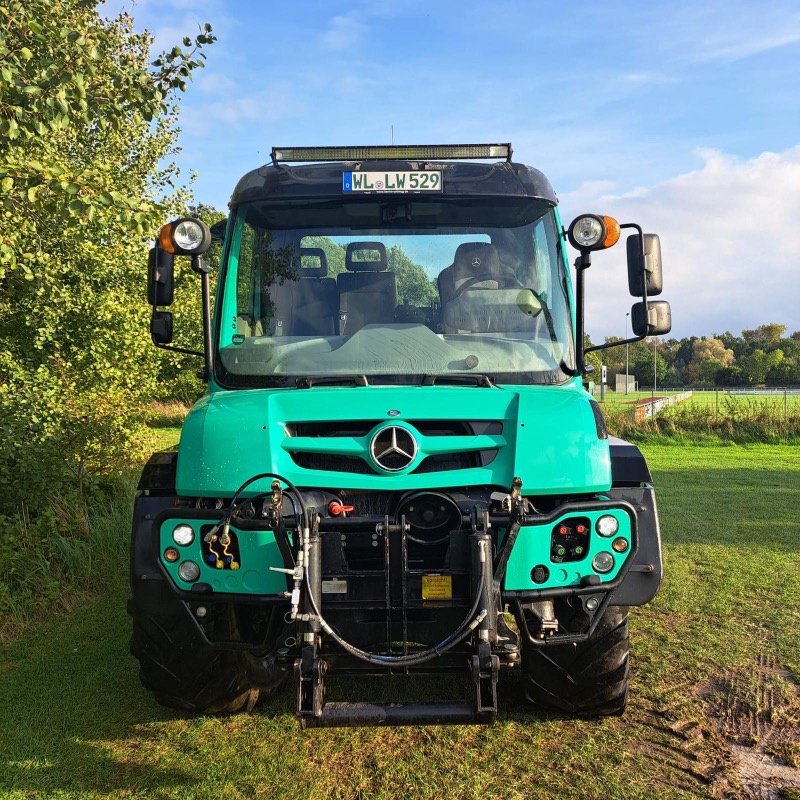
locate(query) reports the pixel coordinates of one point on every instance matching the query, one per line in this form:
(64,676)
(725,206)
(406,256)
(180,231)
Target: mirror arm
(638,228)
(174,349)
(178,349)
(615,344)
(582,263)
(202,269)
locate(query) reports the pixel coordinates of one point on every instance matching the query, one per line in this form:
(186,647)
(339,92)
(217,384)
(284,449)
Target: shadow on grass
(73,715)
(74,718)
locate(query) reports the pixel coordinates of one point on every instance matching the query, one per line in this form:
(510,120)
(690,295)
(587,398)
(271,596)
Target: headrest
(477,258)
(365,257)
(310,255)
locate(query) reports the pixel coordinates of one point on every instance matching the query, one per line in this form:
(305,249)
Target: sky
(683,117)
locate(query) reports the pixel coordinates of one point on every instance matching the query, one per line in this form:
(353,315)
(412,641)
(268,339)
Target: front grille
(329,462)
(330,429)
(441,462)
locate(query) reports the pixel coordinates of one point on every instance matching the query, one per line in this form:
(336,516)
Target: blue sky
(683,117)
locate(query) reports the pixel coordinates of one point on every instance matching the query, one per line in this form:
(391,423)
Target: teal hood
(464,435)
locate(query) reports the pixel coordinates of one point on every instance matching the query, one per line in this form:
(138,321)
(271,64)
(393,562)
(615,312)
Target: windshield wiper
(458,377)
(331,380)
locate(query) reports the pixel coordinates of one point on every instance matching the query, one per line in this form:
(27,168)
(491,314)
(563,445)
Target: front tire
(589,678)
(185,673)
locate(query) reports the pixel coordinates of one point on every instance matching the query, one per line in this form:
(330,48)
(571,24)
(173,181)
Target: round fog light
(183,535)
(189,571)
(607,526)
(171,554)
(603,562)
(620,545)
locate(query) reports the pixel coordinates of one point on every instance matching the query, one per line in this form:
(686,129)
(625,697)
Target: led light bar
(378,152)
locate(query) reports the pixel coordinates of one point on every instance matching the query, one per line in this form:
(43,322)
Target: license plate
(410,181)
(437,587)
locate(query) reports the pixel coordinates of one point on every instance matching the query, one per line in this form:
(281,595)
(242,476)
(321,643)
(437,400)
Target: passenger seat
(306,306)
(367,293)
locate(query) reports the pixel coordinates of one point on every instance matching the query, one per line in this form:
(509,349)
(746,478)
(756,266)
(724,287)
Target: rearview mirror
(651,268)
(529,303)
(161,327)
(656,320)
(160,277)
(218,230)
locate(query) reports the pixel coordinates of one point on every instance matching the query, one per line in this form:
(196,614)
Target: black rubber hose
(457,636)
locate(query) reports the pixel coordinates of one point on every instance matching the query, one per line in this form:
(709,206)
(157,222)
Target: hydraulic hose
(457,636)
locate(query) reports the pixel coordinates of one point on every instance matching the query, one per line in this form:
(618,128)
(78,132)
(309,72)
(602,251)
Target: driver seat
(471,282)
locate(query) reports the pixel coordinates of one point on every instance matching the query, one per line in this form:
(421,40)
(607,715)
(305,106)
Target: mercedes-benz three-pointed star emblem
(393,448)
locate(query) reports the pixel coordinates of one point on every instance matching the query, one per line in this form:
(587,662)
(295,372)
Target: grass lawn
(718,400)
(715,660)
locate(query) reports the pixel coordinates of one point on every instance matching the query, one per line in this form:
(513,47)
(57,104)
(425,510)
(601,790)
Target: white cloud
(241,113)
(344,31)
(721,30)
(730,255)
(215,83)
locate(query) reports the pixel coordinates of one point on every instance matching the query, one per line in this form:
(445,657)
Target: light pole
(653,396)
(627,380)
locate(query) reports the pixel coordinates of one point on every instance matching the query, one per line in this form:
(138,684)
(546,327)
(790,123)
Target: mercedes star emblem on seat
(476,262)
(393,448)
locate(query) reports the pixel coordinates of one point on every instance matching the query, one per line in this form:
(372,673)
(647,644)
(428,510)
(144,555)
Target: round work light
(185,237)
(593,232)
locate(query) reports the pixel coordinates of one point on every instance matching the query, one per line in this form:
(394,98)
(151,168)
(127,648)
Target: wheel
(183,672)
(588,678)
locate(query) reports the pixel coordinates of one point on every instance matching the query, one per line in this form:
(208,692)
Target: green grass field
(718,400)
(715,660)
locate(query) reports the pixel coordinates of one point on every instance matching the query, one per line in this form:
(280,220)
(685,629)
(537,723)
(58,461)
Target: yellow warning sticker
(437,587)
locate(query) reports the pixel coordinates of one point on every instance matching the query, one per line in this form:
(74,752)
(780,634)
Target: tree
(643,364)
(85,122)
(708,358)
(770,333)
(413,285)
(757,365)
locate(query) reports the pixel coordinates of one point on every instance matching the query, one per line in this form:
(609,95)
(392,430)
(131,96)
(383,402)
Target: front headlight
(607,525)
(593,232)
(183,535)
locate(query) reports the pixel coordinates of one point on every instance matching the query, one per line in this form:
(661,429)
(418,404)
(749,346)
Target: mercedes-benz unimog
(397,468)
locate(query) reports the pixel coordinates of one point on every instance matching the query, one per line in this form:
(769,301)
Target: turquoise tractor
(396,468)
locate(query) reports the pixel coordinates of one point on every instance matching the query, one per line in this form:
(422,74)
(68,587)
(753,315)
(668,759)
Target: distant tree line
(763,356)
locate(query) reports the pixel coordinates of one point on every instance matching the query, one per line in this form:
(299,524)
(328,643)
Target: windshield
(399,303)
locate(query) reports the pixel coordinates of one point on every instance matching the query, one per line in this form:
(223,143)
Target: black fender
(632,481)
(154,494)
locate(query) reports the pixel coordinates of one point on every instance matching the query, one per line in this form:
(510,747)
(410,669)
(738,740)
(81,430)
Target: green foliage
(742,420)
(413,285)
(85,122)
(756,358)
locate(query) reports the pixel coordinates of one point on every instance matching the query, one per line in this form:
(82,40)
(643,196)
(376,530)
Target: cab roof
(459,179)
